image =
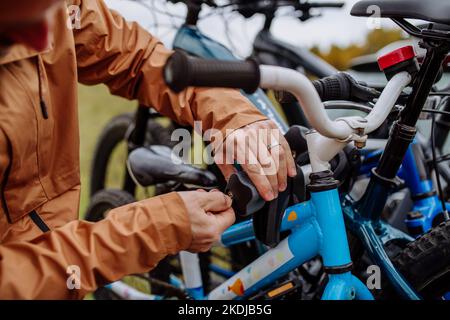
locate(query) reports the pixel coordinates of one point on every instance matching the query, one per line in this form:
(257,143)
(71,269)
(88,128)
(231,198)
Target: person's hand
(210,213)
(263,153)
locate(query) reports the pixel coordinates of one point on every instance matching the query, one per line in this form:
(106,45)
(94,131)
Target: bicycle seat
(431,10)
(155,164)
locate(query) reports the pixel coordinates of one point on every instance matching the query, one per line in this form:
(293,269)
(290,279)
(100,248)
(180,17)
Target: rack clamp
(358,124)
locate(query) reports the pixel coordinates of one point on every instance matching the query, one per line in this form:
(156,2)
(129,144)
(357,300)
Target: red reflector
(396,57)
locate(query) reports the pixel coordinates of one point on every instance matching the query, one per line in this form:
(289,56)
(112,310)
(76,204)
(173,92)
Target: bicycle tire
(425,262)
(114,133)
(100,204)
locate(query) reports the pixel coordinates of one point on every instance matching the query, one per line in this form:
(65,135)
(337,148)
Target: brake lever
(360,92)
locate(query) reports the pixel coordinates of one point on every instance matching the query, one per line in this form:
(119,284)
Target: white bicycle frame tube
(127,292)
(190,266)
(321,150)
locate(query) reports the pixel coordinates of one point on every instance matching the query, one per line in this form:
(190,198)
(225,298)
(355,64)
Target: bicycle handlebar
(278,78)
(295,3)
(276,2)
(182,71)
(262,5)
(327,4)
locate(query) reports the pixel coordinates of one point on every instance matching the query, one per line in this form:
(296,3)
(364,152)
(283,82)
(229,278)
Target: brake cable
(444,157)
(436,169)
(435,160)
(442,94)
(436,111)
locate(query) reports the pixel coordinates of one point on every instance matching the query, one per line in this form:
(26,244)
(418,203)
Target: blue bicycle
(362,216)
(309,221)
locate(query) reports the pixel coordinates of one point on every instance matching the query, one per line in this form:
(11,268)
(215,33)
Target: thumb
(225,219)
(214,201)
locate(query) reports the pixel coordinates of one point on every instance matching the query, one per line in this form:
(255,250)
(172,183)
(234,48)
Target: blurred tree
(340,57)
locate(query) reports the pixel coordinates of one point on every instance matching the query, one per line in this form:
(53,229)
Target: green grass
(96,106)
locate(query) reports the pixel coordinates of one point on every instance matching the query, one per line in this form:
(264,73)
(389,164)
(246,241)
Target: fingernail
(270,196)
(282,187)
(292,172)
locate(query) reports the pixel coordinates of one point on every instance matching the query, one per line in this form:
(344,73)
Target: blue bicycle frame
(426,203)
(317,228)
(314,231)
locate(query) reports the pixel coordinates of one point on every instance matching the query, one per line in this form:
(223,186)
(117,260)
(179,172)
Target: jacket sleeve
(129,61)
(132,239)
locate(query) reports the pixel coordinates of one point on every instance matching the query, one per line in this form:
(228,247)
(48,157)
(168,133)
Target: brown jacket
(39,156)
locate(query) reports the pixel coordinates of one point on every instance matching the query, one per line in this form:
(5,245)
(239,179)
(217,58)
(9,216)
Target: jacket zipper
(4,182)
(42,104)
(44,109)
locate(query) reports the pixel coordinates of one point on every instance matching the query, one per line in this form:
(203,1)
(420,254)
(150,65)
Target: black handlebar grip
(340,86)
(246,199)
(335,87)
(182,71)
(327,4)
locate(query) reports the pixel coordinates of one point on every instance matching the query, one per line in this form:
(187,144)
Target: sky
(334,26)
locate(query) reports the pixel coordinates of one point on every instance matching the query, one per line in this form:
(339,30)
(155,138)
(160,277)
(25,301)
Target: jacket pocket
(36,218)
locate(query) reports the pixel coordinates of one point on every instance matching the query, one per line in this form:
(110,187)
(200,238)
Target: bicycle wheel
(112,147)
(110,137)
(425,263)
(101,203)
(105,200)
